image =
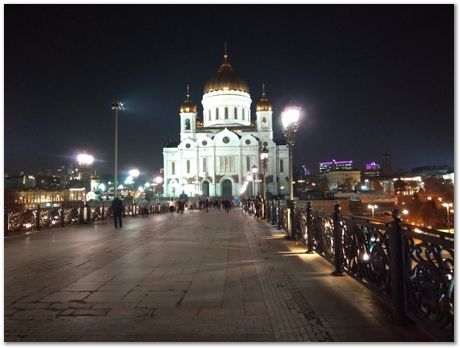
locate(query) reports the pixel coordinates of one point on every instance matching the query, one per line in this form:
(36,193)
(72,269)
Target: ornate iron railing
(21,220)
(429,279)
(412,268)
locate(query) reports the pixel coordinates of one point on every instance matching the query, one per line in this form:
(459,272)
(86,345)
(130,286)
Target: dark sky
(373,79)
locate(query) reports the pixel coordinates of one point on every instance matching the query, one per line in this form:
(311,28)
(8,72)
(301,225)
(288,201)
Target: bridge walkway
(199,276)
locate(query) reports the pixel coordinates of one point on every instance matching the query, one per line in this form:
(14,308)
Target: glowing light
(158,180)
(366,257)
(290,115)
(140,189)
(147,184)
(134,173)
(429,198)
(129,180)
(405,211)
(102,187)
(84,159)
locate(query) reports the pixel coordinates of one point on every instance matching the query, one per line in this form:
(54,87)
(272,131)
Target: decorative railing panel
(323,234)
(429,280)
(366,253)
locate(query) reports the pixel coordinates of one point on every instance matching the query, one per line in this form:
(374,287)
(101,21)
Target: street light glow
(254,169)
(290,115)
(134,173)
(158,180)
(84,159)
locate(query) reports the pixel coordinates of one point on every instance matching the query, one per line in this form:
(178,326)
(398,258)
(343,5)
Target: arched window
(264,122)
(248,163)
(217,113)
(173,168)
(188,166)
(209,115)
(226,113)
(244,114)
(281,166)
(205,164)
(235,113)
(187,124)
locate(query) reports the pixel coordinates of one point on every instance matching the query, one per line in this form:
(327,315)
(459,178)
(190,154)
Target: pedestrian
(117,210)
(172,207)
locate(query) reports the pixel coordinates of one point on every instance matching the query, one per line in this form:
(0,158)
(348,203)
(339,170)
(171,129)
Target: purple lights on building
(329,166)
(372,166)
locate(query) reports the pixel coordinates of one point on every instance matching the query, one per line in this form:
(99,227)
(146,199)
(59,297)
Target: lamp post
(264,159)
(290,118)
(116,106)
(372,207)
(254,173)
(447,206)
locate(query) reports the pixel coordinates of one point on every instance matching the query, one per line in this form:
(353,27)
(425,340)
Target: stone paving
(194,277)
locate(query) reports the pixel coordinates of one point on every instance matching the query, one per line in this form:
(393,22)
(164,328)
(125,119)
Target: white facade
(215,156)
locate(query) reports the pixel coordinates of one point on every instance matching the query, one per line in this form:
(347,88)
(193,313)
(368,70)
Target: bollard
(396,268)
(338,259)
(37,218)
(62,216)
(309,213)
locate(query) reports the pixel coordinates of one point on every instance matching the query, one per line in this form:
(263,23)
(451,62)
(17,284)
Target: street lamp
(372,207)
(447,206)
(254,173)
(84,161)
(264,159)
(290,118)
(116,106)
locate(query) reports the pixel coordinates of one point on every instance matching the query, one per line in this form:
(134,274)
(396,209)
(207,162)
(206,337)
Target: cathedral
(221,150)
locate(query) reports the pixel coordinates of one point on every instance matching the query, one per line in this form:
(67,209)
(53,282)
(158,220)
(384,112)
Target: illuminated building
(325,167)
(216,153)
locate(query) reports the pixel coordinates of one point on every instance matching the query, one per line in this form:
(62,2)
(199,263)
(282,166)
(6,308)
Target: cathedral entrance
(227,188)
(205,188)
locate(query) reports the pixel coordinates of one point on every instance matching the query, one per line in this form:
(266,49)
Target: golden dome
(226,79)
(188,105)
(263,104)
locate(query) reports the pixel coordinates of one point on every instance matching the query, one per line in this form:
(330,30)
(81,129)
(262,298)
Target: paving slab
(183,278)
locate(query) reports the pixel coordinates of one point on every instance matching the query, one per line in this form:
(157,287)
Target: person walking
(117,210)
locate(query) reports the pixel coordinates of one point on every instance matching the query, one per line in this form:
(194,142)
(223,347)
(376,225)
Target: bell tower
(188,112)
(264,113)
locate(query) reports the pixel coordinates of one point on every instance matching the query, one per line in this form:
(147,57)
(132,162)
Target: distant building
(326,167)
(371,170)
(431,171)
(338,180)
(386,165)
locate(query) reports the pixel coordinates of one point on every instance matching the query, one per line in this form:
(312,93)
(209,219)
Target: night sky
(371,79)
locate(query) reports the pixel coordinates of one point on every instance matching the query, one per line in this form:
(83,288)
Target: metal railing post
(62,214)
(37,218)
(396,268)
(5,222)
(103,211)
(82,207)
(278,213)
(338,252)
(309,213)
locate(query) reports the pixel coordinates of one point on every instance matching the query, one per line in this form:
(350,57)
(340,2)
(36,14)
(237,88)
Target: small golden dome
(226,79)
(188,105)
(263,104)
